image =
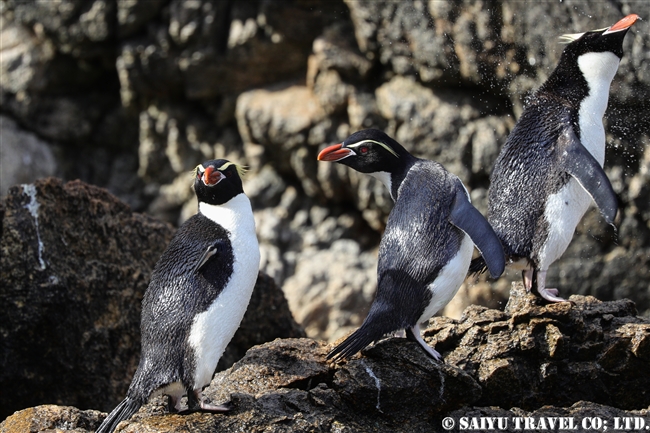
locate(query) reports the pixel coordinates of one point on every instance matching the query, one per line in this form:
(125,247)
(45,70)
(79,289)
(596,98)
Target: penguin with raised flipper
(427,245)
(551,166)
(198,294)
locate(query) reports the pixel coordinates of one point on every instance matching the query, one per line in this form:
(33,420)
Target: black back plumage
(533,162)
(183,285)
(174,297)
(424,232)
(417,243)
(517,197)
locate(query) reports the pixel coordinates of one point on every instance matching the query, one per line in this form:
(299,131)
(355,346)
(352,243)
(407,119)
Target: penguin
(427,245)
(198,294)
(551,166)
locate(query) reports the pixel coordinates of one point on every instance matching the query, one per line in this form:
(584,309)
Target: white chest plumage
(384,177)
(451,277)
(213,329)
(565,208)
(599,70)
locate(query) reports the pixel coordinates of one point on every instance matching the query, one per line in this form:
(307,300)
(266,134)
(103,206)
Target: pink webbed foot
(414,334)
(549,294)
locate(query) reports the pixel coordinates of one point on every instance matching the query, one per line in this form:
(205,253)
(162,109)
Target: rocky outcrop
(531,355)
(531,360)
(74,266)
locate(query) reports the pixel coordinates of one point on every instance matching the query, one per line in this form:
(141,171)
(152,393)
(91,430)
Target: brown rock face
(75,264)
(532,355)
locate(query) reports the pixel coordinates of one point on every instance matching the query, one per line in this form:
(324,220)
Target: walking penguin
(551,166)
(197,297)
(427,245)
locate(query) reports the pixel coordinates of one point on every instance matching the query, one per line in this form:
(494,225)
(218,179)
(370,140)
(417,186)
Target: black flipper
(467,218)
(214,249)
(122,411)
(579,163)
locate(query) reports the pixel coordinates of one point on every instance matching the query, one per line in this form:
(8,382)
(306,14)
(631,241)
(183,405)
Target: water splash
(32,207)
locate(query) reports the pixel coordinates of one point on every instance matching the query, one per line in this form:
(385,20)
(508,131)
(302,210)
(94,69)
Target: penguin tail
(477,266)
(359,339)
(124,410)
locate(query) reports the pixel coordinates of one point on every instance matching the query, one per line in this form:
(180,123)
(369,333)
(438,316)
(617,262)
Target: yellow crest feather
(241,170)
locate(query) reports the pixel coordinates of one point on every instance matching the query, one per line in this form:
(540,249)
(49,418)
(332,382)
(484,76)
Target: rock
(555,354)
(75,28)
(72,420)
(331,290)
(400,380)
(286,385)
(74,266)
(25,59)
(531,360)
(291,119)
(52,418)
(23,156)
(133,15)
(426,121)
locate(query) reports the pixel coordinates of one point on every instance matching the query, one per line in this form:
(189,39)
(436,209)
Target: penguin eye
(363,150)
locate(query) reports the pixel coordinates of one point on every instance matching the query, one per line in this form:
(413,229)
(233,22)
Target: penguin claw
(216,408)
(208,407)
(413,334)
(551,295)
(197,403)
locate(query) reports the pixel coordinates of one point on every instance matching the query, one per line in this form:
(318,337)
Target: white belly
(563,212)
(213,329)
(445,287)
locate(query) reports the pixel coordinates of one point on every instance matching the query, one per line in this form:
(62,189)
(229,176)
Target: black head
(217,181)
(368,151)
(589,57)
(599,41)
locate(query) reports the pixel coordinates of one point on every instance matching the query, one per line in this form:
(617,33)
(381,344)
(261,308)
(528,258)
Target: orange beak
(334,153)
(624,24)
(211,177)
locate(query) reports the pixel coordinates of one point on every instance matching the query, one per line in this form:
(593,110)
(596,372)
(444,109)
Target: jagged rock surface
(532,355)
(74,266)
(528,361)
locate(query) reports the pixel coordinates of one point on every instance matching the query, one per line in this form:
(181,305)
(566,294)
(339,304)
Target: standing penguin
(428,242)
(199,292)
(550,167)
